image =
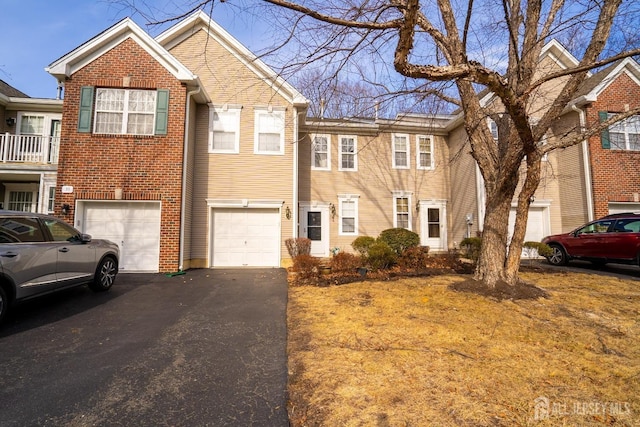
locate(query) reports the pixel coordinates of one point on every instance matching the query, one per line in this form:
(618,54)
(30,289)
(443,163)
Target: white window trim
(351,198)
(355,153)
(125,112)
(407,152)
(402,195)
(313,152)
(258,112)
(225,109)
(418,152)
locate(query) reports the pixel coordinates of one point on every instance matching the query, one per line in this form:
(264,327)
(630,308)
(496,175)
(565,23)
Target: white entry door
(134,226)
(314,225)
(245,237)
(433,225)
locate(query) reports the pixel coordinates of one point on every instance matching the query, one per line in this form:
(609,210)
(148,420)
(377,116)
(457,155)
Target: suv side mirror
(85,238)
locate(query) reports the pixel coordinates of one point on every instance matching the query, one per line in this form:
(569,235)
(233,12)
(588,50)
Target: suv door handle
(8,254)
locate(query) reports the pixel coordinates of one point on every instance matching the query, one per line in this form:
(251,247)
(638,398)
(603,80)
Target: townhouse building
(190,152)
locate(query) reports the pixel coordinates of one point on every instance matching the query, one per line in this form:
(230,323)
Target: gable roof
(107,40)
(593,86)
(201,21)
(7,90)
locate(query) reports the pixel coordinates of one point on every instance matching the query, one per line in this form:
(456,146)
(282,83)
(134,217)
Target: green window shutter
(86,109)
(162,112)
(604,133)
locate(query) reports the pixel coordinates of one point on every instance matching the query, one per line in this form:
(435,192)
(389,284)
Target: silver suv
(40,254)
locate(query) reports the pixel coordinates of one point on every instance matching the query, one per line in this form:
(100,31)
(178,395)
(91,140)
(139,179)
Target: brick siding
(144,167)
(615,173)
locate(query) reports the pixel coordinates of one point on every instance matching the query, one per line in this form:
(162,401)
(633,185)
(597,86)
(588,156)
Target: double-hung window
(320,152)
(348,153)
(402,209)
(118,111)
(125,111)
(400,151)
(424,152)
(269,132)
(31,125)
(224,129)
(348,215)
(623,135)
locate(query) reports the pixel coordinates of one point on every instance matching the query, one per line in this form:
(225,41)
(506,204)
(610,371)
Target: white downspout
(185,152)
(294,208)
(586,164)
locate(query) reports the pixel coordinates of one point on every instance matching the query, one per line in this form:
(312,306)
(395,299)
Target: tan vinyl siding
(463,187)
(374,182)
(243,175)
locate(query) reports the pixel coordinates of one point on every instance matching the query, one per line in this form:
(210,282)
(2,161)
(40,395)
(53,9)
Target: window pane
(617,141)
(425,160)
(320,160)
(401,159)
(51,201)
(108,123)
(348,225)
(434,230)
(142,101)
(20,201)
(269,142)
(348,161)
(224,140)
(403,221)
(433,215)
(31,125)
(140,124)
(110,99)
(60,231)
(20,230)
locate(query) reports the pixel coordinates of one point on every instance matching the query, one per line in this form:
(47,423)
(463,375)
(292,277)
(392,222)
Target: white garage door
(134,226)
(245,238)
(615,208)
(537,224)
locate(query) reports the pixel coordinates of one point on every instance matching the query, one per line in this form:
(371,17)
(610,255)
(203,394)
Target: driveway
(207,348)
(622,271)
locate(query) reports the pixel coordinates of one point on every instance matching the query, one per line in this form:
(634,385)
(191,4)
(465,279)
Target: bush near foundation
(344,262)
(399,239)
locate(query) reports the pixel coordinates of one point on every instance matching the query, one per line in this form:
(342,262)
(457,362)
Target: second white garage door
(245,238)
(134,226)
(537,224)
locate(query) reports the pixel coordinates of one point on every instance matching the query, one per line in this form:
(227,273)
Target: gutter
(184,175)
(586,164)
(296,141)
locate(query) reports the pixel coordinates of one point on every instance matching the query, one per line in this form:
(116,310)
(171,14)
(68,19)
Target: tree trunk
(491,264)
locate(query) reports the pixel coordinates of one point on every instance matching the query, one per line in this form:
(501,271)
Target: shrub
(298,246)
(543,249)
(362,244)
(399,239)
(381,256)
(306,266)
(471,247)
(345,262)
(414,258)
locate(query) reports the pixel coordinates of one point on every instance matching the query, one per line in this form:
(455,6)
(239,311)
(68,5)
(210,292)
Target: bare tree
(475,47)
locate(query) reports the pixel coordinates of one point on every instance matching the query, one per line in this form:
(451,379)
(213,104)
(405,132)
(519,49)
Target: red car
(613,238)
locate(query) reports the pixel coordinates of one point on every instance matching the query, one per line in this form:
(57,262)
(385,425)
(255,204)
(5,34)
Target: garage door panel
(134,226)
(537,224)
(245,237)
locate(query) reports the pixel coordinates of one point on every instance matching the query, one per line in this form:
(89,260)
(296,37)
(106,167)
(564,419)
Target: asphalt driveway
(204,349)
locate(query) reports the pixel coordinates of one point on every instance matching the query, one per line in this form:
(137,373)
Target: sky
(38,32)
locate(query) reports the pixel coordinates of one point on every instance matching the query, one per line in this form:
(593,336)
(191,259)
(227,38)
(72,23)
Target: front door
(433,229)
(314,225)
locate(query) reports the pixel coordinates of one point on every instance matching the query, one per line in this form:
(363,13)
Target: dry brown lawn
(412,352)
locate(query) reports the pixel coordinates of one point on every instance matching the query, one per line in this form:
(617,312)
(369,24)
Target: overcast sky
(37,32)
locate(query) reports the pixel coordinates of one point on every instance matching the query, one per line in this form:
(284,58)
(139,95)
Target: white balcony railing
(29,149)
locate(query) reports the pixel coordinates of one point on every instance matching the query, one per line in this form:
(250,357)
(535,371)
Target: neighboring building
(29,138)
(189,152)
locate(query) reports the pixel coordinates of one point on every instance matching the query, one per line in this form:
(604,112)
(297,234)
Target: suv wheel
(558,255)
(105,275)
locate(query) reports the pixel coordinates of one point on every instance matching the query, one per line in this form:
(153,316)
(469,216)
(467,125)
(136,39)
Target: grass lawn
(412,352)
